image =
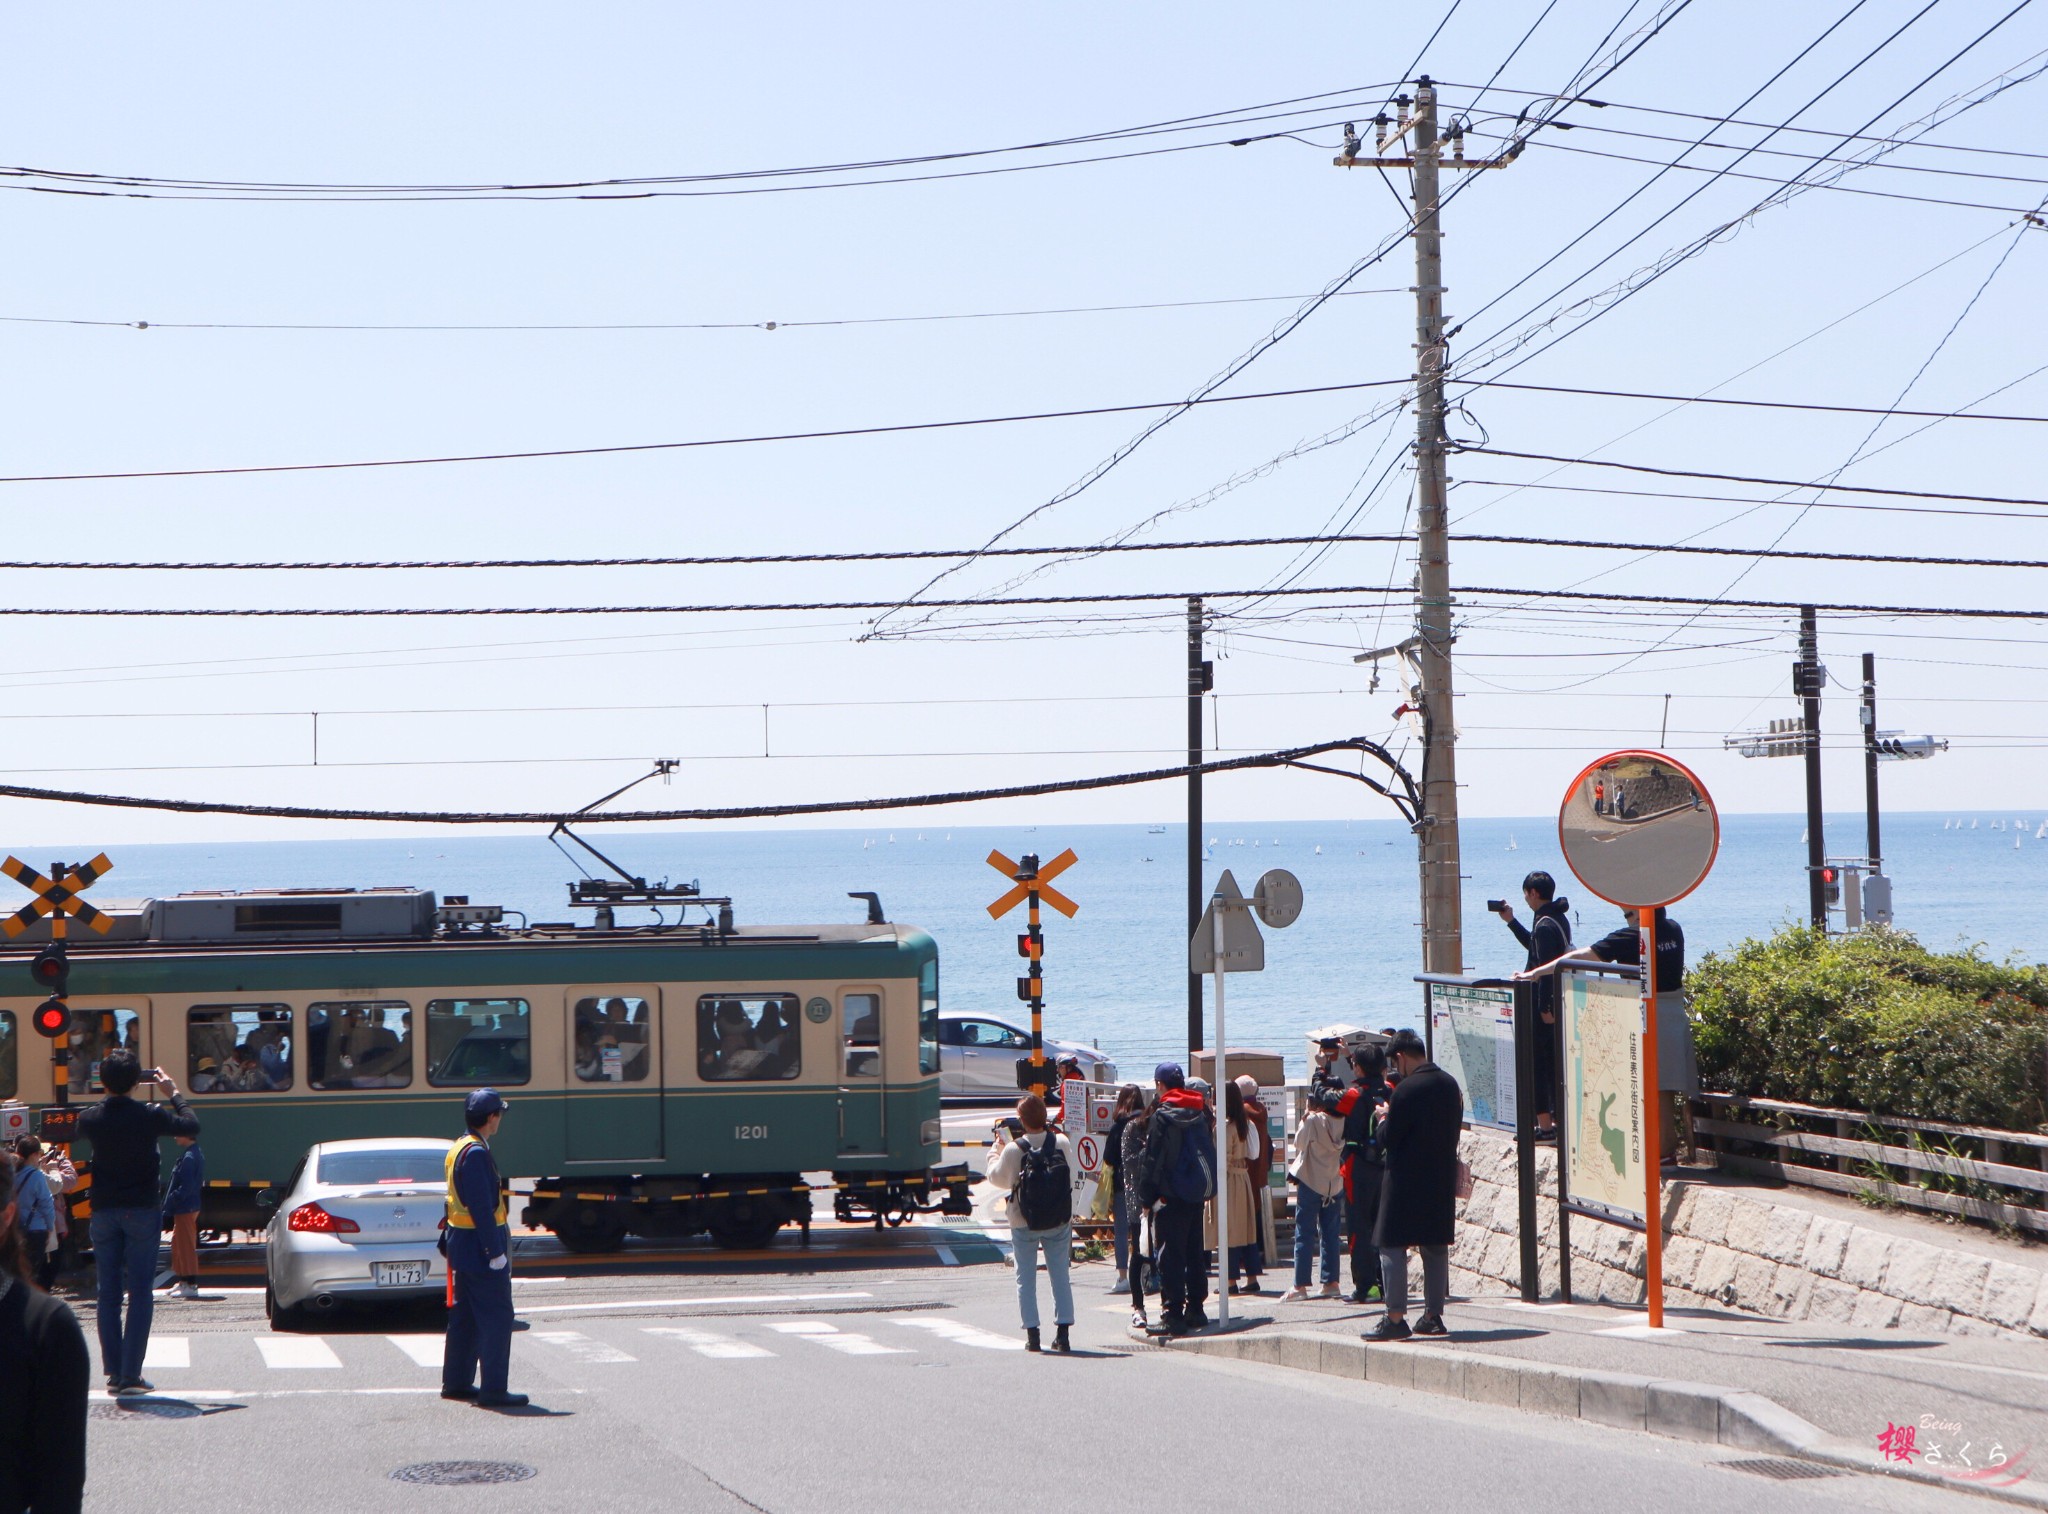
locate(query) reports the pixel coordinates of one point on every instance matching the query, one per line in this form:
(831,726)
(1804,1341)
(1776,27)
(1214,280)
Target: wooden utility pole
(1436,831)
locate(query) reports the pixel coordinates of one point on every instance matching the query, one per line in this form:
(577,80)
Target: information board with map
(1472,1037)
(1602,1027)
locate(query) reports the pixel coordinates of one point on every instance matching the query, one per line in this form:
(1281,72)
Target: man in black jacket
(1179,1120)
(127,1208)
(1547,936)
(1418,1200)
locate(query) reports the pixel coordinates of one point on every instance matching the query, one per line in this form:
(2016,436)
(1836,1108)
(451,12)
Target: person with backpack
(1036,1171)
(1176,1180)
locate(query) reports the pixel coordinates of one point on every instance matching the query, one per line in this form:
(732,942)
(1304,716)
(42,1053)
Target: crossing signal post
(1033,886)
(57,898)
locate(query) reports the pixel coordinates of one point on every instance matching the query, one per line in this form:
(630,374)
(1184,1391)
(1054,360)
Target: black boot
(1031,1339)
(1060,1343)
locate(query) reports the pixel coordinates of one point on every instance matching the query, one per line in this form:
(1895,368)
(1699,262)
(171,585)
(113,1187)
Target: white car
(357,1221)
(978,1056)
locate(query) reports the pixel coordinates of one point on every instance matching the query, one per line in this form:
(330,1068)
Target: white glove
(498,1263)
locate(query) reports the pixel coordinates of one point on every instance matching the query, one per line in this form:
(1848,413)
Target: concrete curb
(1660,1406)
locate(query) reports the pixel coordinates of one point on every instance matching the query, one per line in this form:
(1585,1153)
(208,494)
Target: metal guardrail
(1964,1170)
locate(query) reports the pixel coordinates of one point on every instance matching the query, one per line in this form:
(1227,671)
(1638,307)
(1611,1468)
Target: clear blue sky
(472,94)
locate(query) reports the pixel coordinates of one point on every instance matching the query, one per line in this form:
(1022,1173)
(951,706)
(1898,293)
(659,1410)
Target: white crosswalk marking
(704,1343)
(425,1350)
(167,1353)
(295,1351)
(844,1341)
(963,1335)
(582,1346)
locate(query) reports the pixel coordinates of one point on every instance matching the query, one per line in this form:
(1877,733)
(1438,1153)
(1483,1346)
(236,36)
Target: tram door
(612,1076)
(862,1129)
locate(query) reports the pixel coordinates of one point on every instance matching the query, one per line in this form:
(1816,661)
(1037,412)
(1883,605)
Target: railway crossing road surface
(832,1392)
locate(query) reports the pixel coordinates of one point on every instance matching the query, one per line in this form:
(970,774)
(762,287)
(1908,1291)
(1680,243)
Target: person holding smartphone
(127,1207)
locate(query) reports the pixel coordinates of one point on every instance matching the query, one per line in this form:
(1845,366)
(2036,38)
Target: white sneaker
(185,1290)
(1331,1290)
(1122,1283)
(1294,1295)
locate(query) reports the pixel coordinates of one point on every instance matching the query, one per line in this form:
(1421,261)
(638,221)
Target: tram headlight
(928,1133)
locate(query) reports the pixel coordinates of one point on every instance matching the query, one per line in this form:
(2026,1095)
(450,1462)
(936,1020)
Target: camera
(1496,905)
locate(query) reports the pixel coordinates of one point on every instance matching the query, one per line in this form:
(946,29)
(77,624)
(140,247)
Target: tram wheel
(737,1225)
(590,1228)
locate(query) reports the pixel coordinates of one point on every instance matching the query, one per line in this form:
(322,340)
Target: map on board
(1472,1037)
(1603,1094)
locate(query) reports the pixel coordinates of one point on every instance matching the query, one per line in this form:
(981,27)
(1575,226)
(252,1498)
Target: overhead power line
(1746,478)
(1397,789)
(542,326)
(718,441)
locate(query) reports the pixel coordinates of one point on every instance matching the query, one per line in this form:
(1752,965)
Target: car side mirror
(267,1198)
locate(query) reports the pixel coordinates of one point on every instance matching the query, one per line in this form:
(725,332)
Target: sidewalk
(1814,1391)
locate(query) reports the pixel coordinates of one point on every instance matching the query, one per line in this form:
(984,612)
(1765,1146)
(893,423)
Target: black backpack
(1045,1189)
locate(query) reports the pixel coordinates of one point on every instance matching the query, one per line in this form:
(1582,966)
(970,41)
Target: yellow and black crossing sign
(1033,887)
(56,896)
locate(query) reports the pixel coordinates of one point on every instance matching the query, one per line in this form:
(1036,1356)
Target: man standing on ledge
(479,1246)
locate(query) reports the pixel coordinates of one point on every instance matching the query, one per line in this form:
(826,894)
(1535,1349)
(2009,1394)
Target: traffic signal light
(51,970)
(52,1018)
(1831,886)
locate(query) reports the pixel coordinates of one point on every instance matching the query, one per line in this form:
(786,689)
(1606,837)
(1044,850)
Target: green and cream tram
(665,1080)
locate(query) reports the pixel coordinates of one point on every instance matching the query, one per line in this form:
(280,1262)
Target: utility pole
(1201,677)
(1807,677)
(1436,831)
(1870,763)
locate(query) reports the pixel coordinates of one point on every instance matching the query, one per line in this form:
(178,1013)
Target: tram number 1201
(750,1132)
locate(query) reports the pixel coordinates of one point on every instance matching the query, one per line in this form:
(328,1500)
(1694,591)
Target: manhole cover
(462,1474)
(1781,1468)
(146,1408)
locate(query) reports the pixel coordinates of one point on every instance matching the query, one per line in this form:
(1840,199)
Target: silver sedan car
(357,1221)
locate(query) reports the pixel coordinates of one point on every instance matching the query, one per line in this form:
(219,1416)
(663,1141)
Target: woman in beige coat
(1235,1167)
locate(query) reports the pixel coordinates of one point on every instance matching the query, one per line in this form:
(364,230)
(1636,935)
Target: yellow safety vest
(458,1216)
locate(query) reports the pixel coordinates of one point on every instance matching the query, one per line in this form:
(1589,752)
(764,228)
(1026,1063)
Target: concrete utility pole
(1808,676)
(1436,832)
(1443,949)
(1200,678)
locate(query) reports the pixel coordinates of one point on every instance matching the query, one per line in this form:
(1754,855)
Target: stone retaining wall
(1725,1249)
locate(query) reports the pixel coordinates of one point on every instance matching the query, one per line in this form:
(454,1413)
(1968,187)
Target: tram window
(755,1038)
(364,1043)
(611,1039)
(863,1016)
(928,1017)
(238,1048)
(10,1056)
(472,1043)
(94,1033)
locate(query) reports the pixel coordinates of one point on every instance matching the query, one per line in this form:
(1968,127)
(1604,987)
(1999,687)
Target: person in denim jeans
(1005,1166)
(127,1208)
(1318,1199)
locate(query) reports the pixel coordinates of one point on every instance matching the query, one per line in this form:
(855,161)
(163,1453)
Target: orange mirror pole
(1653,1119)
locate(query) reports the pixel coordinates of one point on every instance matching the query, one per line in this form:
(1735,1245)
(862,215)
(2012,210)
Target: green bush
(1875,1022)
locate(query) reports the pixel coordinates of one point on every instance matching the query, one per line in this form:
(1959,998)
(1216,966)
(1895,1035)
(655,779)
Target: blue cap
(482,1104)
(1169,1075)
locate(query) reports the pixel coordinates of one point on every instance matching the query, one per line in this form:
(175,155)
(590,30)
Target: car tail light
(312,1217)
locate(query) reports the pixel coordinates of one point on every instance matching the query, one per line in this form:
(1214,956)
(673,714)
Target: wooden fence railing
(1999,1177)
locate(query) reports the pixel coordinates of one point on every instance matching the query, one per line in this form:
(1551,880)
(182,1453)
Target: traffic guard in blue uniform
(479,1245)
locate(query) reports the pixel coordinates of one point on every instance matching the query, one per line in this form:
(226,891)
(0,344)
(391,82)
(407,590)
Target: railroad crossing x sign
(56,897)
(1045,875)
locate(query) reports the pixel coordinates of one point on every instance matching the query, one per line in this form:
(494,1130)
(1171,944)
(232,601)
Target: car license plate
(399,1274)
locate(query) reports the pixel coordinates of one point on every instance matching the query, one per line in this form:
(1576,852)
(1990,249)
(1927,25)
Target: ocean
(1115,974)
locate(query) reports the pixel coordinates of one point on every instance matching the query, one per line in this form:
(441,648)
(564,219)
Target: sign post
(1228,941)
(57,897)
(1033,884)
(1639,830)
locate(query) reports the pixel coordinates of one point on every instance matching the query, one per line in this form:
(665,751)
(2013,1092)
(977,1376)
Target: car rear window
(349,1169)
